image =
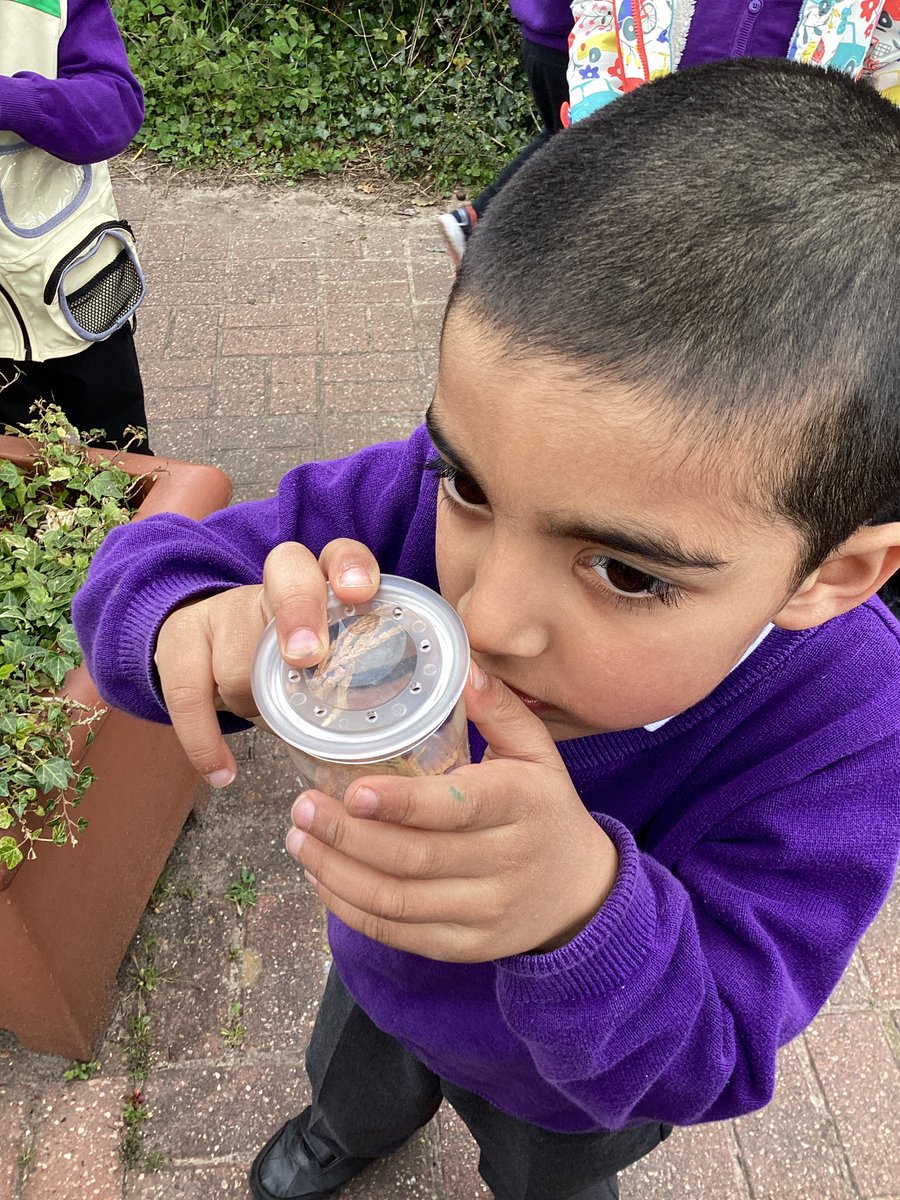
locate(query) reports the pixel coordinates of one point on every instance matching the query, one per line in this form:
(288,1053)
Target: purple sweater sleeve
(145,570)
(546,21)
(673,1003)
(95,106)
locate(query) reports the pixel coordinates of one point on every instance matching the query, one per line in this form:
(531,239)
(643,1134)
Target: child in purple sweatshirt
(659,481)
(69,276)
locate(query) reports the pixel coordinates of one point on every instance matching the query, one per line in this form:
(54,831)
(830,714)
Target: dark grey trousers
(99,387)
(370,1094)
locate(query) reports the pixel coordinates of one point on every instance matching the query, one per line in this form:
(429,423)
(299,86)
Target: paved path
(280,328)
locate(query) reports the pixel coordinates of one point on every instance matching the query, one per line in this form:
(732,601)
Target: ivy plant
(284,87)
(53,517)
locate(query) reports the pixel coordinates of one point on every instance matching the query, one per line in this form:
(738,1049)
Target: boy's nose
(504,611)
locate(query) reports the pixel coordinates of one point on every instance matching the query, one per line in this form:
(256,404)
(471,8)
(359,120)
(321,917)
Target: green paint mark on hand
(457,795)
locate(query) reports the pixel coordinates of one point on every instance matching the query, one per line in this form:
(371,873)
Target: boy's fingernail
(302,643)
(294,841)
(219,779)
(477,677)
(356,577)
(304,812)
(364,801)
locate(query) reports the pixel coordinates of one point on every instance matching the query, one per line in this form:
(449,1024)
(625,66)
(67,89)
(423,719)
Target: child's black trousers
(369,1093)
(99,387)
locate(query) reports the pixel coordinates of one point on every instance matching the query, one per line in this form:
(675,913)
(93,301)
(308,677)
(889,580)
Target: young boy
(69,276)
(659,482)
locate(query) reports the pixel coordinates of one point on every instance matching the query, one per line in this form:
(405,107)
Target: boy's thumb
(505,723)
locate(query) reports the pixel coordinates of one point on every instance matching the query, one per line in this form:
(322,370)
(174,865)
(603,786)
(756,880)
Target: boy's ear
(848,577)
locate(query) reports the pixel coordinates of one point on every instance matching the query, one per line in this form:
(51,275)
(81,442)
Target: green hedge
(424,90)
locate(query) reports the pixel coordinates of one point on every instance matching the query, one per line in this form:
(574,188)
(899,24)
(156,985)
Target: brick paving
(280,327)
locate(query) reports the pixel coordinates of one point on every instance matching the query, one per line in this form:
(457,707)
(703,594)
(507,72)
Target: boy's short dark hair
(725,240)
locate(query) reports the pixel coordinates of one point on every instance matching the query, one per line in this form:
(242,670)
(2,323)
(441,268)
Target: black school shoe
(287,1169)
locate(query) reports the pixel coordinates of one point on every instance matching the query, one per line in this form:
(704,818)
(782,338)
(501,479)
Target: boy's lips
(532,702)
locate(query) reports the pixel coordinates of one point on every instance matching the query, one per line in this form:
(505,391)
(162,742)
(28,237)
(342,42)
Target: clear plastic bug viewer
(385,700)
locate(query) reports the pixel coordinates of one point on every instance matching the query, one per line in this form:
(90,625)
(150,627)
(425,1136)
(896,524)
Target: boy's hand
(493,859)
(205,648)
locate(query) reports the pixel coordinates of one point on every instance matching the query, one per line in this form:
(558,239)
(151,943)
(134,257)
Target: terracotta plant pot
(67,917)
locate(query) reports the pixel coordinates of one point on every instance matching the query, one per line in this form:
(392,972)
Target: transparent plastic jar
(385,700)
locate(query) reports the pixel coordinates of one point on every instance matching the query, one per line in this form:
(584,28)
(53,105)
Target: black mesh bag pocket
(99,284)
(111,296)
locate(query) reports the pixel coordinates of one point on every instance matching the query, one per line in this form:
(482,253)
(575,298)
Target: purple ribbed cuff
(606,952)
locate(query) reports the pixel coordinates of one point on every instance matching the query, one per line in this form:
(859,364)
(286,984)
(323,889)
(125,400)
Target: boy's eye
(629,581)
(465,490)
(623,578)
(460,488)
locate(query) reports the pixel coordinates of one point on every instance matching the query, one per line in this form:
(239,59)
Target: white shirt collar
(768,629)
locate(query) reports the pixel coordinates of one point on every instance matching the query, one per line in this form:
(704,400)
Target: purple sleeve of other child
(548,22)
(95,106)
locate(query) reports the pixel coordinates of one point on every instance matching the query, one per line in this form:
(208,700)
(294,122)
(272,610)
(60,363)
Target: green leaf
(10,473)
(53,774)
(10,854)
(107,483)
(86,777)
(6,817)
(55,665)
(68,639)
(16,649)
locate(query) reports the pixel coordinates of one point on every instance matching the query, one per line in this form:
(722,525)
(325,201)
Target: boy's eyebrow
(656,547)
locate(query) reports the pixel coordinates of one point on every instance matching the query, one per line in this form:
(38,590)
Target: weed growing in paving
(161,889)
(134,1114)
(82,1070)
(146,973)
(242,892)
(233,1032)
(137,1046)
(154,1161)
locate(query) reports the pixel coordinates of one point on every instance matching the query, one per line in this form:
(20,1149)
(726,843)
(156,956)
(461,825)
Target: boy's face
(602,566)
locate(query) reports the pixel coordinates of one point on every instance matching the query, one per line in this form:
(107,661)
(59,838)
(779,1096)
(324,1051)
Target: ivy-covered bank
(424,90)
